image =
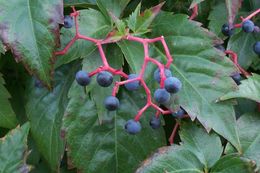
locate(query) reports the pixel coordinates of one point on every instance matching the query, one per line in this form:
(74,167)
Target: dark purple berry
(132,85)
(172,84)
(157,76)
(227,30)
(237,78)
(68,21)
(104,79)
(180,113)
(111,103)
(257,47)
(248,26)
(133,127)
(155,122)
(82,78)
(162,96)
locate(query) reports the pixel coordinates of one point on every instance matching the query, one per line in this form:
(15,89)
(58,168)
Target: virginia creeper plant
(120,86)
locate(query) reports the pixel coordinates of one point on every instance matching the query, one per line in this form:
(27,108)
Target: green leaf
(32,35)
(249,89)
(139,23)
(232,163)
(217,19)
(172,159)
(92,24)
(232,9)
(207,147)
(116,7)
(249,128)
(201,70)
(13,149)
(242,43)
(97,148)
(80,3)
(2,49)
(134,54)
(115,59)
(7,115)
(195,2)
(45,111)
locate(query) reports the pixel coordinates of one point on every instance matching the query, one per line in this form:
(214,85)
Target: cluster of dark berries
(161,95)
(248,26)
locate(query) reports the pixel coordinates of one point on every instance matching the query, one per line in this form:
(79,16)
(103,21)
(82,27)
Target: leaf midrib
(34,38)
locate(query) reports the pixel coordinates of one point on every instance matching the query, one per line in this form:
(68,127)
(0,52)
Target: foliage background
(50,124)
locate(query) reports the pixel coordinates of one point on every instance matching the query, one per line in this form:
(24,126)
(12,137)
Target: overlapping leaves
(248,89)
(107,146)
(200,152)
(45,110)
(7,115)
(13,149)
(92,24)
(30,31)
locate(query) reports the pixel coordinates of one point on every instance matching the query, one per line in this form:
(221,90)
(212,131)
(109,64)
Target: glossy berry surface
(104,79)
(133,127)
(82,78)
(68,21)
(180,113)
(132,85)
(111,103)
(237,78)
(162,96)
(248,26)
(157,77)
(257,47)
(155,122)
(172,84)
(227,30)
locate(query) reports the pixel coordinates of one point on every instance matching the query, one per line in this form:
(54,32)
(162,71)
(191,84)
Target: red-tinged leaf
(232,8)
(13,149)
(139,22)
(195,2)
(31,32)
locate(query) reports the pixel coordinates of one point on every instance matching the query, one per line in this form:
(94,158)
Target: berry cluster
(104,77)
(247,26)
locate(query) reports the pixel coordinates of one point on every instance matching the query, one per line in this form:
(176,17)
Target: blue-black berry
(257,47)
(111,103)
(248,26)
(237,78)
(104,79)
(133,127)
(155,122)
(180,113)
(161,96)
(157,77)
(172,84)
(68,21)
(82,78)
(227,30)
(132,85)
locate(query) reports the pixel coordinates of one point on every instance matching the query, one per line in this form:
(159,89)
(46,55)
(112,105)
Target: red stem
(235,61)
(247,18)
(194,12)
(174,131)
(106,67)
